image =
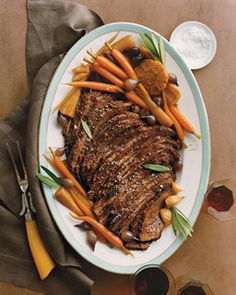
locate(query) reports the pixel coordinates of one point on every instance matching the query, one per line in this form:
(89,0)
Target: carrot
(64,197)
(85,68)
(158,113)
(176,124)
(85,209)
(81,197)
(132,96)
(123,62)
(61,167)
(182,120)
(97,86)
(50,161)
(114,240)
(108,65)
(108,75)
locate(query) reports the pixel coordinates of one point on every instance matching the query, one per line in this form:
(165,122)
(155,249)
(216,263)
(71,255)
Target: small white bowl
(195,42)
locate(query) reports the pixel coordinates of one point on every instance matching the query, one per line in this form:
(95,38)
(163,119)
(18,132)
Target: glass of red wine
(220,199)
(152,279)
(192,286)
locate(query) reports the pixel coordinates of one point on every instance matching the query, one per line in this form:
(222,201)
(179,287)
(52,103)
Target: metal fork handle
(23,202)
(31,203)
(27,204)
(27,212)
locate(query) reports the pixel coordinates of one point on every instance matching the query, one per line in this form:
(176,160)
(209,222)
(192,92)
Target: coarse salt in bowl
(195,42)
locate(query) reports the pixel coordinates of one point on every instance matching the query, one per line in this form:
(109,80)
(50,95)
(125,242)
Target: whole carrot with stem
(107,64)
(114,240)
(157,112)
(108,75)
(97,86)
(61,167)
(183,121)
(85,209)
(87,212)
(123,62)
(176,124)
(61,194)
(50,161)
(65,198)
(82,198)
(85,68)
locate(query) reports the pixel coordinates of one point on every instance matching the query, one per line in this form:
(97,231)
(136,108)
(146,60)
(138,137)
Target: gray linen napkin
(53,27)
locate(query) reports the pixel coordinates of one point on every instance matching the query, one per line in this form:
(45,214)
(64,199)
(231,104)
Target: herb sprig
(180,223)
(52,181)
(155,45)
(86,129)
(52,175)
(157,168)
(47,180)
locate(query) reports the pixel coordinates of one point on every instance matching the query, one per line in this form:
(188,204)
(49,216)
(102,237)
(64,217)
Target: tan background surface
(210,255)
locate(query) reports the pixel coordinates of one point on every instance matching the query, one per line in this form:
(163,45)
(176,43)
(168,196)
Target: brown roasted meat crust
(110,166)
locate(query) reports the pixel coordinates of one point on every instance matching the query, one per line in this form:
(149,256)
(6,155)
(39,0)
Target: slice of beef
(135,245)
(151,226)
(164,190)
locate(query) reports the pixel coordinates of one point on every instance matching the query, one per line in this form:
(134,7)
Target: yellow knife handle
(43,261)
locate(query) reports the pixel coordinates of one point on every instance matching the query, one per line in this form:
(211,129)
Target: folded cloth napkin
(53,27)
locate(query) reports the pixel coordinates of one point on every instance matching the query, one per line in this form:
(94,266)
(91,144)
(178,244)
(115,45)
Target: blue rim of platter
(124,26)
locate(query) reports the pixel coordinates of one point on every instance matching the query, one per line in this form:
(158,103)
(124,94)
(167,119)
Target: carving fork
(43,261)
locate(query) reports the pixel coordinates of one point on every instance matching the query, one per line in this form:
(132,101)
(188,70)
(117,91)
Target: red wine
(192,290)
(151,281)
(220,198)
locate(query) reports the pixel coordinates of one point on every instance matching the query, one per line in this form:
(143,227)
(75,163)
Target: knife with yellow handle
(42,259)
